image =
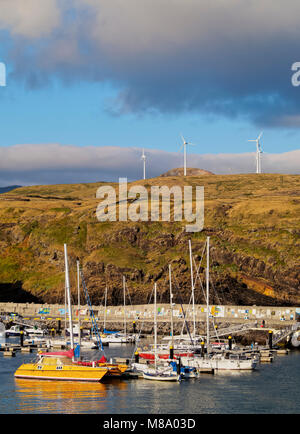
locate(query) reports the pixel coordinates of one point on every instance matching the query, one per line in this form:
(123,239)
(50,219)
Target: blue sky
(70,114)
(137,74)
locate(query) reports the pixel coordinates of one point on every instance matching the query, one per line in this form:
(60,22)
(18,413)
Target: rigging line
(200,280)
(213,318)
(94,323)
(138,339)
(223,296)
(126,287)
(198,271)
(198,268)
(204,292)
(188,311)
(214,289)
(184,316)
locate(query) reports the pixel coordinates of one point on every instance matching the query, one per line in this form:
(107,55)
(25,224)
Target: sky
(90,83)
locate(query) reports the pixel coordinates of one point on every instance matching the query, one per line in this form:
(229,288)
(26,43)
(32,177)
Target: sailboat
(163,350)
(117,337)
(218,361)
(162,373)
(83,342)
(183,345)
(114,369)
(60,365)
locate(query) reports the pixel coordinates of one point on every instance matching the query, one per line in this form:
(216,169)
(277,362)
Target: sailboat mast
(104,325)
(124,286)
(65,309)
(193,289)
(207,293)
(78,290)
(69,297)
(155,327)
(171,305)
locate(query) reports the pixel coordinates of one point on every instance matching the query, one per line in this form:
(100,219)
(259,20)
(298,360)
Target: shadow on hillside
(13,292)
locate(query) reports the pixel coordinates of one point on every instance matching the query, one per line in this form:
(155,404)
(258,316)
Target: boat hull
(64,373)
(114,370)
(165,356)
(160,377)
(220,365)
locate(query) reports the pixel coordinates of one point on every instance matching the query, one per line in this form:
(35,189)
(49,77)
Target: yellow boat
(62,365)
(60,368)
(114,369)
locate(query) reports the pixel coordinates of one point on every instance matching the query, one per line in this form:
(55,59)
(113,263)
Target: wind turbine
(144,164)
(258,153)
(184,145)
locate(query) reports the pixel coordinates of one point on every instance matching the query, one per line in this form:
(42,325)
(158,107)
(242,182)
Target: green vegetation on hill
(253,221)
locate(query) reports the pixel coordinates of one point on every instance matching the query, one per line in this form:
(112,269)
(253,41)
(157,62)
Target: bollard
(136,357)
(270,339)
(52,332)
(202,349)
(21,338)
(230,342)
(134,327)
(58,325)
(171,352)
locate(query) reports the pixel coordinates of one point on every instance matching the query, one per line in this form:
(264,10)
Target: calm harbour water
(271,389)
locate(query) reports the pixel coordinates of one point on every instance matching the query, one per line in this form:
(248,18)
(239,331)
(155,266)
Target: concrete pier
(56,312)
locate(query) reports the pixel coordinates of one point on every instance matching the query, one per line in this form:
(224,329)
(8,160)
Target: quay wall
(145,312)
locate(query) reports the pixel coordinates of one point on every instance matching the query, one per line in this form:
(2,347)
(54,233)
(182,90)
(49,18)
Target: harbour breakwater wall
(145,312)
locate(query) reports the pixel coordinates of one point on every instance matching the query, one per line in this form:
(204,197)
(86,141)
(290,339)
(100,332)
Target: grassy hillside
(253,222)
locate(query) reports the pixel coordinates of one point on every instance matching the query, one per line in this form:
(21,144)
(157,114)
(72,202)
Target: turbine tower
(184,145)
(143,158)
(258,153)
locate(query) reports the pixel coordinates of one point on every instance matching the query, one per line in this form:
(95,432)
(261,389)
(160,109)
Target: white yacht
(222,362)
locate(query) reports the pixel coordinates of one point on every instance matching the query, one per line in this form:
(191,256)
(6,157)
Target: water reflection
(59,396)
(272,388)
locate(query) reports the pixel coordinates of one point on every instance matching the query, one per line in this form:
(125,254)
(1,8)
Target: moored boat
(55,366)
(222,362)
(161,376)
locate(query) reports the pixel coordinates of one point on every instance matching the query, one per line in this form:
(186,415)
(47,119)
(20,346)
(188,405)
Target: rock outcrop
(253,223)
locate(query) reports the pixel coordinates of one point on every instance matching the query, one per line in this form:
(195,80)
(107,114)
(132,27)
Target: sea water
(272,388)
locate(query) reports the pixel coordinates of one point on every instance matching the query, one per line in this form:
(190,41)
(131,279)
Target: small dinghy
(161,376)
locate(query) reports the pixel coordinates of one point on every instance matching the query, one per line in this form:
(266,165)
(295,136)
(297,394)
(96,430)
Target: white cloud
(29,18)
(226,57)
(54,163)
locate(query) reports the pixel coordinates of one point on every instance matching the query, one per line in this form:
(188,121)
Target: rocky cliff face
(189,171)
(253,223)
